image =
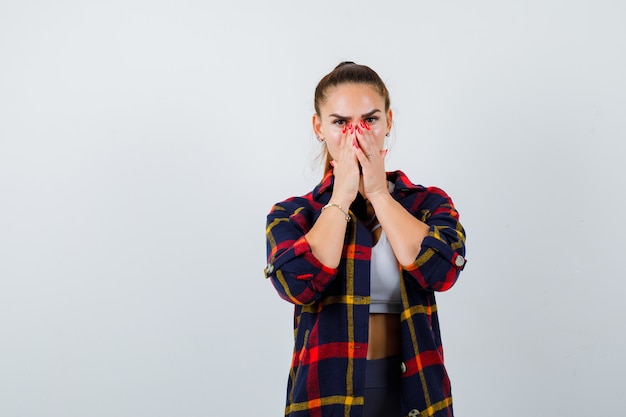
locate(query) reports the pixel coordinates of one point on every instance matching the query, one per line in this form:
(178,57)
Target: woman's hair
(348,72)
(345,73)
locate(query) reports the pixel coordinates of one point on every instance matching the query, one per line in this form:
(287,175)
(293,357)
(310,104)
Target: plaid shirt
(332,305)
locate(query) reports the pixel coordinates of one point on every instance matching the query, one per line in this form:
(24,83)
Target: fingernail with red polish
(344,129)
(358,129)
(367,126)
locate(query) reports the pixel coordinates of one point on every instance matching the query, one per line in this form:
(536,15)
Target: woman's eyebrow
(366,115)
(363,116)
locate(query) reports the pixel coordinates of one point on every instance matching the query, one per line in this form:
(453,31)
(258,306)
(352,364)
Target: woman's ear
(317,125)
(389,120)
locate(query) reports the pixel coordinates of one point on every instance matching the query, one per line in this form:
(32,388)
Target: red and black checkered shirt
(332,305)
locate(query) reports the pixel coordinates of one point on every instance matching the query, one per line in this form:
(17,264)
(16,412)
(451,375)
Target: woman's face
(351,103)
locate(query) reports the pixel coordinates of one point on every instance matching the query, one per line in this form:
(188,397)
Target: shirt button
(459,261)
(414,413)
(403,367)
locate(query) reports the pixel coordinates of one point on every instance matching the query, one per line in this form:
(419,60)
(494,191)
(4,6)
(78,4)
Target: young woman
(361,256)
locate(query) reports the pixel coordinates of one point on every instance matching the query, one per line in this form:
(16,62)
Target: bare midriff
(384,336)
(384,329)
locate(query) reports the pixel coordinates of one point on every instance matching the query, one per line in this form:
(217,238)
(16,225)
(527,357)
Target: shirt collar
(326,185)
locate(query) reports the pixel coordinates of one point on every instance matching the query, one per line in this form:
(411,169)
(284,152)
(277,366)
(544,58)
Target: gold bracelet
(345,213)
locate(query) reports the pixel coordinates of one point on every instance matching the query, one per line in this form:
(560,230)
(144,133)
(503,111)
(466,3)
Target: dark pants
(382,388)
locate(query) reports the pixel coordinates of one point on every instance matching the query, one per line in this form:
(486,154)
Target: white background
(143,142)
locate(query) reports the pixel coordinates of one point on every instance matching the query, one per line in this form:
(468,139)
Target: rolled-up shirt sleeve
(442,256)
(298,276)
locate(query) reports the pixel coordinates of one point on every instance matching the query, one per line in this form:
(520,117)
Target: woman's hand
(372,160)
(345,169)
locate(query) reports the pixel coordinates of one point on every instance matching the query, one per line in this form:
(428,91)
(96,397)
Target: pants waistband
(383,373)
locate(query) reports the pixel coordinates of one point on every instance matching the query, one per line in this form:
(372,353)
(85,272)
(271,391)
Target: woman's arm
(442,254)
(296,273)
(327,235)
(430,248)
(404,232)
(423,227)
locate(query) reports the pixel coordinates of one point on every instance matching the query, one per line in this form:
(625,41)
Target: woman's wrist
(341,201)
(379,198)
(339,207)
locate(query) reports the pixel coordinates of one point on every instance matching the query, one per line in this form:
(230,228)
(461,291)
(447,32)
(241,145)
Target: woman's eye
(371,119)
(339,122)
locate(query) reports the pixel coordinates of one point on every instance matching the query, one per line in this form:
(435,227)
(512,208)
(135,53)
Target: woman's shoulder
(311,201)
(403,187)
(295,204)
(402,182)
(296,201)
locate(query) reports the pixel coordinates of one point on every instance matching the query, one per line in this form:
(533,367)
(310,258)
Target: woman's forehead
(353,97)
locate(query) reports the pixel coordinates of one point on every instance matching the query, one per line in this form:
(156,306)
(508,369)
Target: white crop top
(385,278)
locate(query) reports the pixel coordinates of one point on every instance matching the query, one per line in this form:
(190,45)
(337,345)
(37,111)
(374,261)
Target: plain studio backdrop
(142,144)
